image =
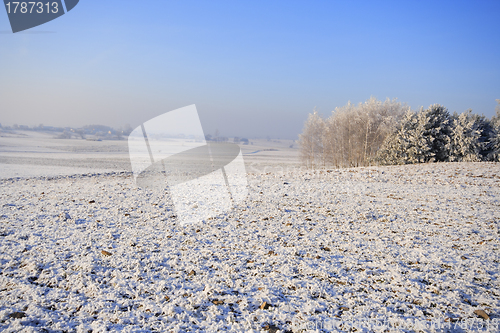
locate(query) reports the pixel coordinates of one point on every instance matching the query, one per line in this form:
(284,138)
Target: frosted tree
(465,144)
(389,153)
(418,144)
(420,138)
(494,136)
(436,122)
(354,133)
(487,138)
(376,120)
(311,141)
(337,138)
(407,144)
(333,142)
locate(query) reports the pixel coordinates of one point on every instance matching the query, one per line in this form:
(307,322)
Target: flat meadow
(395,248)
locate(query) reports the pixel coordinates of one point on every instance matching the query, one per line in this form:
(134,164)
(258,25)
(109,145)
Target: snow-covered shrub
(436,128)
(408,144)
(470,138)
(420,137)
(432,135)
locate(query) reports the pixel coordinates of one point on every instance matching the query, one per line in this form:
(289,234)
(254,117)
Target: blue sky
(252,68)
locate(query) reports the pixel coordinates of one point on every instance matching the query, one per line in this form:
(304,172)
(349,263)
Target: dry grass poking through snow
(409,242)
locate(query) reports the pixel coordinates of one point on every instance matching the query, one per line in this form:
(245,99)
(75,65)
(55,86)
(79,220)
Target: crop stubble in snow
(94,252)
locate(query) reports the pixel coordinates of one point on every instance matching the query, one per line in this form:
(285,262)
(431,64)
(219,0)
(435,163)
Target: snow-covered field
(407,247)
(35,154)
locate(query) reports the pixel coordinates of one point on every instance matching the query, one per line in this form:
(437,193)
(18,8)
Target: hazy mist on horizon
(252,69)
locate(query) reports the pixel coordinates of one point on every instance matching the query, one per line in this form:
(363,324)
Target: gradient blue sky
(253,68)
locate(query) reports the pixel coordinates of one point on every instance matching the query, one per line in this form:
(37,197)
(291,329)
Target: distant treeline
(100,131)
(105,132)
(385,133)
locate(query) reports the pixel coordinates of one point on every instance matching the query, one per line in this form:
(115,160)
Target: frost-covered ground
(306,249)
